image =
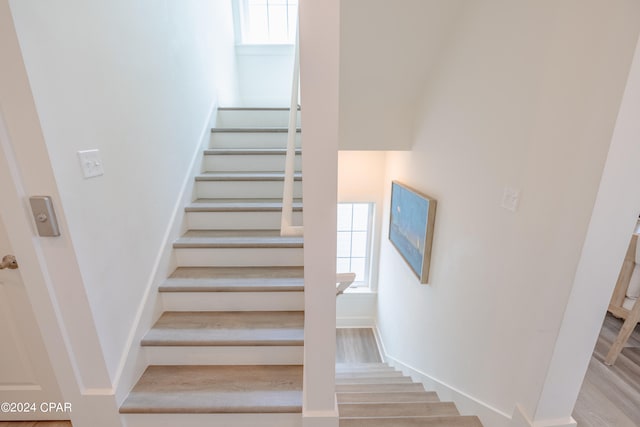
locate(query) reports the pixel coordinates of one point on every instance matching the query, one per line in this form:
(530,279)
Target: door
(28,388)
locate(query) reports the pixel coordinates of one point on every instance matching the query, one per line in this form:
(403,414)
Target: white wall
(265,75)
(525,96)
(136,81)
(387,52)
(48,266)
(615,213)
(361,178)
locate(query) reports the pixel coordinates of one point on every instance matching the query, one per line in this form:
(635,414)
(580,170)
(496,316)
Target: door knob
(9,261)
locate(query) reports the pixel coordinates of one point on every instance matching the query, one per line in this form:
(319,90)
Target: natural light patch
(354,240)
(269,21)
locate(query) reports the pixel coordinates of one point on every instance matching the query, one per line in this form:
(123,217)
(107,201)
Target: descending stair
(228,348)
(376,395)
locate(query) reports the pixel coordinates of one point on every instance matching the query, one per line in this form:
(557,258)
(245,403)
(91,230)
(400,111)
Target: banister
(286,222)
(343,281)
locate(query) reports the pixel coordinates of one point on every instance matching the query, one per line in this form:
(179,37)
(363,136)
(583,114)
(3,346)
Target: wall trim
(467,404)
(328,418)
(355,322)
(133,360)
(521,419)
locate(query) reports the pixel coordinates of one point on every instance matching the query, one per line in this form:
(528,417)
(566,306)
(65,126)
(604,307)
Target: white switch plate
(91,163)
(510,199)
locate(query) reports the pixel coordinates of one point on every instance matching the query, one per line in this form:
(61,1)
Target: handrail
(343,281)
(286,222)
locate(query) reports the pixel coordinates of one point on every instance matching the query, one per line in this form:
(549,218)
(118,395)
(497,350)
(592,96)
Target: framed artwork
(411,227)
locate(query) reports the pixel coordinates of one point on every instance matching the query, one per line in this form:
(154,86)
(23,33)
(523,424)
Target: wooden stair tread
(375,380)
(235,279)
(369,374)
(397,409)
(245,176)
(212,205)
(237,239)
(217,389)
(378,388)
(390,397)
(246,200)
(230,328)
(248,151)
(253,130)
(358,366)
(446,421)
(369,395)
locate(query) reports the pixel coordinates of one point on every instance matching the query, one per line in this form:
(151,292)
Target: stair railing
(343,281)
(286,222)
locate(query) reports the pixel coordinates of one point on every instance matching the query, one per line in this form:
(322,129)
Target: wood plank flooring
(610,396)
(356,345)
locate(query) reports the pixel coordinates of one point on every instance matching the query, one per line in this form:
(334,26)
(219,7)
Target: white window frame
(241,23)
(366,282)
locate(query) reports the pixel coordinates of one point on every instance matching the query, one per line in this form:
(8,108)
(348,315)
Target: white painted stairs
(228,348)
(376,395)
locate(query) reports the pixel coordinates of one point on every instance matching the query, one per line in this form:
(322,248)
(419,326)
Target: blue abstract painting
(411,227)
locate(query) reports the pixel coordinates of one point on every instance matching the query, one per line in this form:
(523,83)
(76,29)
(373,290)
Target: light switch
(91,163)
(510,199)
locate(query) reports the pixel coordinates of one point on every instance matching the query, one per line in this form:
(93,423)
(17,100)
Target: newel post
(319,74)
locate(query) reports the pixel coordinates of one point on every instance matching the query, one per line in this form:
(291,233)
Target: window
(354,241)
(268,21)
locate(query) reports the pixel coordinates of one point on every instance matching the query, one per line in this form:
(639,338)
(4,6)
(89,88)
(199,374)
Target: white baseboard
(319,421)
(133,361)
(96,408)
(467,404)
(521,419)
(355,322)
(327,418)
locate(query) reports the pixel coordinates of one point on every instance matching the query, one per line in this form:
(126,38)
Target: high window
(268,21)
(354,241)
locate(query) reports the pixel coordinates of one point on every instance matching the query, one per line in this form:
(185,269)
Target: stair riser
(244,189)
(450,421)
(250,140)
(267,355)
(378,388)
(239,257)
(200,420)
(233,301)
(253,118)
(361,370)
(380,374)
(238,220)
(387,397)
(405,409)
(374,380)
(246,162)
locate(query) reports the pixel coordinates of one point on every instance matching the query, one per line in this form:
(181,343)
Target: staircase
(228,348)
(376,395)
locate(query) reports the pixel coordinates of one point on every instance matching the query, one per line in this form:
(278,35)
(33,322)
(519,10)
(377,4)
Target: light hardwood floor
(355,345)
(610,395)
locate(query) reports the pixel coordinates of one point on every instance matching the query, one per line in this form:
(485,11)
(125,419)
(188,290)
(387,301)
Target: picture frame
(411,225)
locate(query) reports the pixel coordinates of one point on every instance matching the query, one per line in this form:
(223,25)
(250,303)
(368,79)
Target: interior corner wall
(526,97)
(361,177)
(136,81)
(265,74)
